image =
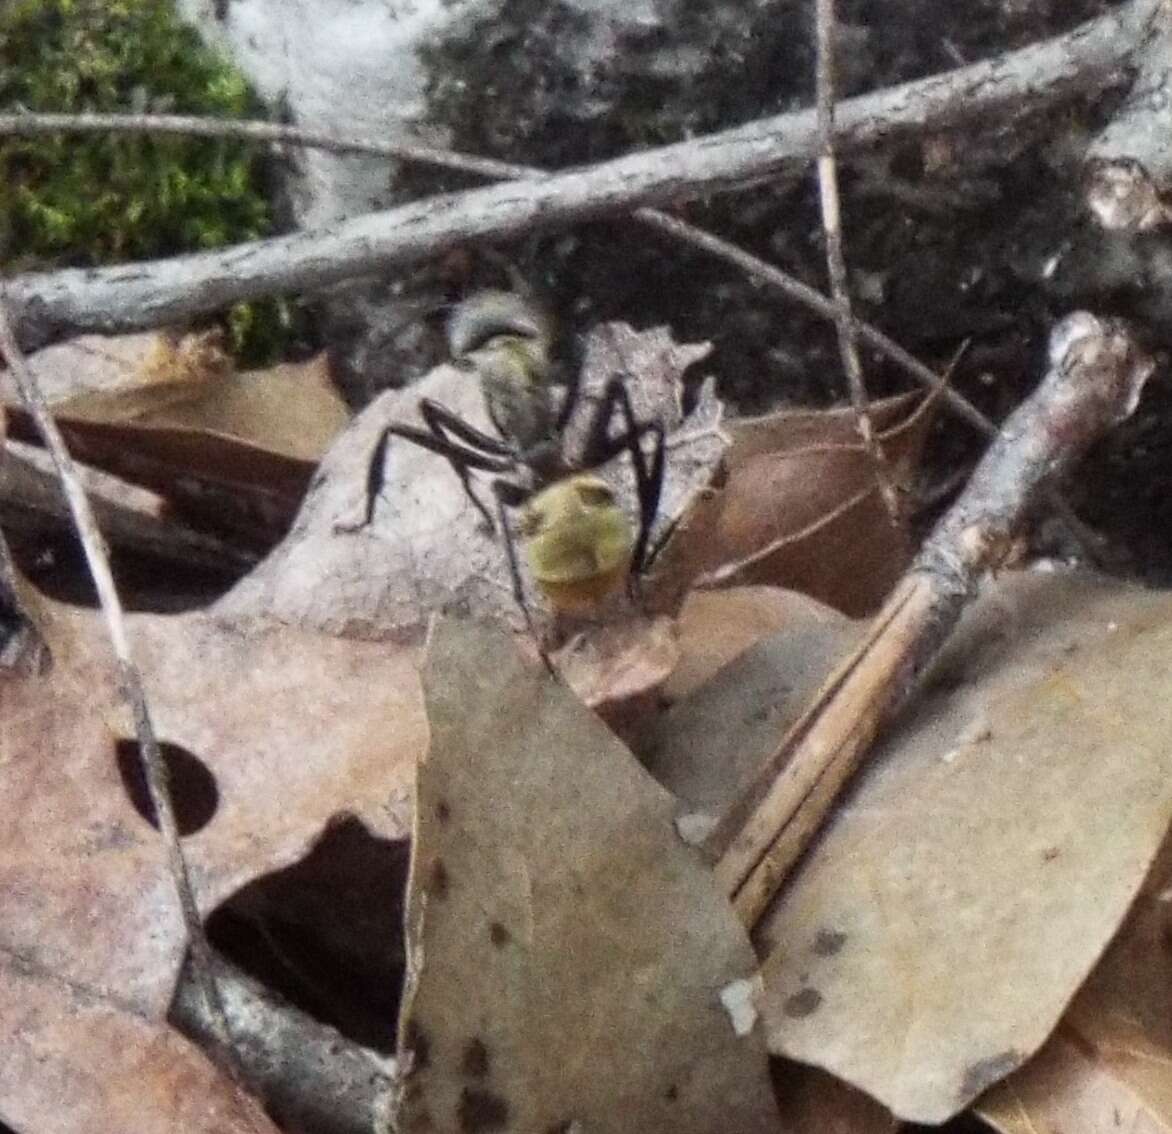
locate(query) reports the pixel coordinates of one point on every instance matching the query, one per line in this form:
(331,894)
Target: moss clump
(83,200)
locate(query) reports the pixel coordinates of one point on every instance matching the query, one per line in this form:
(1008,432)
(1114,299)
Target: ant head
(489,314)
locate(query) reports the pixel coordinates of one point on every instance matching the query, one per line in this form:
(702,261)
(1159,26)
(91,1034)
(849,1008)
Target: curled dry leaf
(169,412)
(801,508)
(31,498)
(566,952)
(269,732)
(427,549)
(938,929)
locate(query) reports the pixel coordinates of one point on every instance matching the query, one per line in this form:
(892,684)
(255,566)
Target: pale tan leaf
(1109,1065)
(948,914)
(567,953)
(707,748)
(717,626)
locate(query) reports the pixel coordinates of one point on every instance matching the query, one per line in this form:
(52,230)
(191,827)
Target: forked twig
(1095,377)
(48,305)
(156,774)
(848,347)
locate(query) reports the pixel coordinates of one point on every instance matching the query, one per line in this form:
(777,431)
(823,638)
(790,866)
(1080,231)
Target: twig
(130,516)
(1130,162)
(1094,381)
(130,296)
(157,777)
(313,1077)
(848,347)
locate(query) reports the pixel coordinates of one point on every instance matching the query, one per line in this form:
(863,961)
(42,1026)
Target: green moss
(91,199)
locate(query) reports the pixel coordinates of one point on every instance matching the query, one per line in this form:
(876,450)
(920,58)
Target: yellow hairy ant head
(578,542)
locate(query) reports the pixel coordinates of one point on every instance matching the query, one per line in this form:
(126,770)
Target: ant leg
(462,458)
(602,447)
(508,496)
(375,480)
(441,421)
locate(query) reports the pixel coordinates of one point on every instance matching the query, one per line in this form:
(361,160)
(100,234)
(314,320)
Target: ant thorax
(517,393)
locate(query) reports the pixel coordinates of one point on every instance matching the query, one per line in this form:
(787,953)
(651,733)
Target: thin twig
(848,347)
(1095,378)
(50,305)
(156,774)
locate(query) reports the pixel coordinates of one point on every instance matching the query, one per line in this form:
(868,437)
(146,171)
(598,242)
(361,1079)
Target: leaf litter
(927,948)
(970,881)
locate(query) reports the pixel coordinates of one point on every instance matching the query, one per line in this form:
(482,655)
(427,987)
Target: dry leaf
(707,748)
(569,958)
(717,626)
(801,483)
(1109,1065)
(128,516)
(1073,1087)
(169,413)
(78,1060)
(813,1102)
(270,732)
(138,373)
(960,896)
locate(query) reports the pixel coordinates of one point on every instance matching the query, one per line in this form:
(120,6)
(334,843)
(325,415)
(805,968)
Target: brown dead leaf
(169,412)
(1074,1087)
(949,912)
(568,956)
(31,498)
(813,1102)
(1109,1065)
(269,733)
(616,668)
(77,1061)
(800,508)
(717,626)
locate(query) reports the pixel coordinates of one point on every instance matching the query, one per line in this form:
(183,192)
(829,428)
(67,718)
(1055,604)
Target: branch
(1094,381)
(766,275)
(157,776)
(51,305)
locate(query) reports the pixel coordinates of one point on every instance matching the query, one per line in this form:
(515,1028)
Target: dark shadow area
(327,932)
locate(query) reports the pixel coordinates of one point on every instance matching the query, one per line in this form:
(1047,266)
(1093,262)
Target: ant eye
(530,522)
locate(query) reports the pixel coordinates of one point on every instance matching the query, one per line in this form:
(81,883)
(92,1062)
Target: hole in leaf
(326,933)
(193,787)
